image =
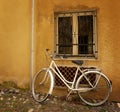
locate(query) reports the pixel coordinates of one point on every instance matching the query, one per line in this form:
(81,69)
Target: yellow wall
(108,33)
(15,40)
(15,33)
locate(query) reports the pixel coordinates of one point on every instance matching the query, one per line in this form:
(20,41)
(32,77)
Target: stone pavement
(14,99)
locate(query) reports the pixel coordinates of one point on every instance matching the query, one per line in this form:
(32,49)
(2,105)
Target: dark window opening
(85,34)
(83,45)
(65,35)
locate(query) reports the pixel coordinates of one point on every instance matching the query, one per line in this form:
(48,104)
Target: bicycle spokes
(42,85)
(95,89)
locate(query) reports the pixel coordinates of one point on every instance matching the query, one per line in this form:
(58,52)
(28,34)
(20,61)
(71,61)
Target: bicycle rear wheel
(94,88)
(42,85)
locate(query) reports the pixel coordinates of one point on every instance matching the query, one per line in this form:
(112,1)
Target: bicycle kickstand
(67,97)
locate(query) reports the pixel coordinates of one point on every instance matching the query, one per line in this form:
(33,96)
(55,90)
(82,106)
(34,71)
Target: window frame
(74,16)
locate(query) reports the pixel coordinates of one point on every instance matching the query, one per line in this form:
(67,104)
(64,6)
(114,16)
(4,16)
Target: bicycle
(93,92)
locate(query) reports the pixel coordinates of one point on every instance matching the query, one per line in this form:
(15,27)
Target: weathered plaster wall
(108,33)
(15,40)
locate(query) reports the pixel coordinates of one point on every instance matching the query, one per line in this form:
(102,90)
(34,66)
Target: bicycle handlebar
(53,55)
(50,54)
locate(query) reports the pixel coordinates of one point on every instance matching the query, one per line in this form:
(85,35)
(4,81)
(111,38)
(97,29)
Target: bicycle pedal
(69,98)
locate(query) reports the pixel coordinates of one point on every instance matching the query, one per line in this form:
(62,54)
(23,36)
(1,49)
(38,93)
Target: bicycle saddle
(78,62)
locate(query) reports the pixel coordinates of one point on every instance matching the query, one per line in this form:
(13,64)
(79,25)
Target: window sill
(75,57)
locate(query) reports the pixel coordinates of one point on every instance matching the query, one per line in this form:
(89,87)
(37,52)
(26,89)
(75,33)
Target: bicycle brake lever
(64,56)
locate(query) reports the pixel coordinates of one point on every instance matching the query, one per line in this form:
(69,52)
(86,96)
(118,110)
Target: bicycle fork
(52,81)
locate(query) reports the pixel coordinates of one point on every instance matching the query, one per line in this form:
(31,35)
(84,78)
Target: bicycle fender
(99,72)
(52,81)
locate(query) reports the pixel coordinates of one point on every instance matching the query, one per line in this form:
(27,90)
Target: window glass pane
(85,34)
(65,35)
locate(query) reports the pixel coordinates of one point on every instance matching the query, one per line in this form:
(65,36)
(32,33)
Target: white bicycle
(92,86)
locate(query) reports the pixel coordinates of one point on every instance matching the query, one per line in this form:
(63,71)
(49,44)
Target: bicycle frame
(71,85)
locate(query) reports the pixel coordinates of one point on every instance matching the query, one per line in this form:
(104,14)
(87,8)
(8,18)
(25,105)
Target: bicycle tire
(96,89)
(42,85)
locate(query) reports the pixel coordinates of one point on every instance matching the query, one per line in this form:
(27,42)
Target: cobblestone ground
(14,99)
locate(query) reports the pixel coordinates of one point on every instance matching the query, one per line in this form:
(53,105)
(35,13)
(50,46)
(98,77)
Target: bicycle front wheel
(42,85)
(93,88)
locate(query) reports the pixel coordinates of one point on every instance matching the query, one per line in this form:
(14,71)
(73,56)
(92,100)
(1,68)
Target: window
(76,34)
